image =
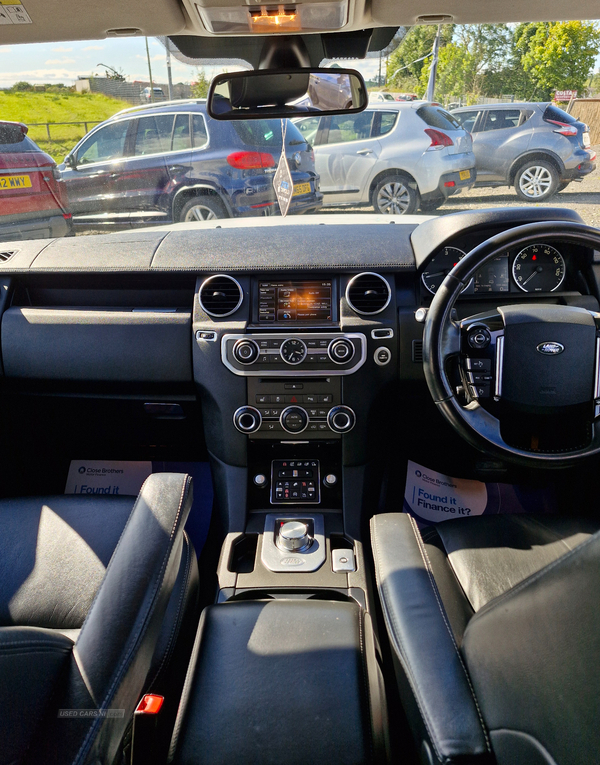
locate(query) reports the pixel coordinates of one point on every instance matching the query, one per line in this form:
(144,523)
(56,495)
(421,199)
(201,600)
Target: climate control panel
(294,355)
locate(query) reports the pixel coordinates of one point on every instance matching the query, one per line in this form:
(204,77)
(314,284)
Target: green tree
(464,64)
(558,55)
(200,87)
(403,66)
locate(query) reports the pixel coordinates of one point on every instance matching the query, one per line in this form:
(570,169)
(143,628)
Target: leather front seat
(94,597)
(495,629)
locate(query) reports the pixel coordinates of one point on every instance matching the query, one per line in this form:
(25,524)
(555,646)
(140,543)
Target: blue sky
(65,62)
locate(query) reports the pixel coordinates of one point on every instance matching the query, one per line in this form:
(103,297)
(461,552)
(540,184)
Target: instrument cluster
(535,268)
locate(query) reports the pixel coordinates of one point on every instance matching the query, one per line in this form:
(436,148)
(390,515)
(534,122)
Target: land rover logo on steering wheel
(550,349)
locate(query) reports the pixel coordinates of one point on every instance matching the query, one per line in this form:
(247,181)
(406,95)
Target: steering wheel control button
(247,419)
(294,536)
(341,419)
(479,338)
(480,390)
(294,419)
(478,377)
(293,351)
(341,351)
(260,480)
(342,560)
(246,351)
(479,365)
(382,356)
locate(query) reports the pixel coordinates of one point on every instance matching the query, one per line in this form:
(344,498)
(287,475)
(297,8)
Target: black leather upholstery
(281,681)
(495,625)
(104,571)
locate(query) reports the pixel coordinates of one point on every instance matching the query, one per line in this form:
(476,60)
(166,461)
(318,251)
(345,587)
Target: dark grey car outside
(535,147)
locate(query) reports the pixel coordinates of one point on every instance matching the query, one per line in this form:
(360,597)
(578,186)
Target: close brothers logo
(82,469)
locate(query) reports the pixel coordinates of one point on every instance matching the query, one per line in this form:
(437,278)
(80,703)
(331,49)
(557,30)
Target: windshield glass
(458,118)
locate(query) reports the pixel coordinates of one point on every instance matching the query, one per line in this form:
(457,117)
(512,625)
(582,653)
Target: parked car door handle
(176,168)
(365,151)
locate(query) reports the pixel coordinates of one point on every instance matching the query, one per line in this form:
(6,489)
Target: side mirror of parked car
(70,161)
(268,93)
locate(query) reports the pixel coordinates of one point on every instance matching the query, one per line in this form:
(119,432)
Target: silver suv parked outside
(535,147)
(396,156)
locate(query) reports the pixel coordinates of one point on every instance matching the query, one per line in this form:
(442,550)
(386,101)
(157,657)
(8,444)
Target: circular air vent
(220,295)
(368,293)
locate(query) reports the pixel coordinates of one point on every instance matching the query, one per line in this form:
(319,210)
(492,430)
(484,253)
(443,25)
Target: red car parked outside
(33,198)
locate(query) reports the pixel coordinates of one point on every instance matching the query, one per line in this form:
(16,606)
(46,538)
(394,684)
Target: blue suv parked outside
(171,162)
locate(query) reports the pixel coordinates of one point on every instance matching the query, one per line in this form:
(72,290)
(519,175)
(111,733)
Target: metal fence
(49,125)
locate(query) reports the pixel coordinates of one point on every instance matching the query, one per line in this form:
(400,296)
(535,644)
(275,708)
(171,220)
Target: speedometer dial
(440,266)
(539,268)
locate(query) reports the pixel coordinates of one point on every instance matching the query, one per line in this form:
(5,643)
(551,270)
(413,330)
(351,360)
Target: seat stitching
(534,577)
(366,682)
(429,569)
(117,677)
(392,625)
(177,621)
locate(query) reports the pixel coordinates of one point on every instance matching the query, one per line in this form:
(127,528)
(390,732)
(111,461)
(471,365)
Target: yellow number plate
(464,175)
(301,188)
(15,182)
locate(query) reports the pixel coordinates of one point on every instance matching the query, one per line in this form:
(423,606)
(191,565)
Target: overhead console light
(275,19)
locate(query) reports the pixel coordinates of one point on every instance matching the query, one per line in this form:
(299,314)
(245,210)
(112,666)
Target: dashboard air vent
(220,295)
(368,293)
(7,255)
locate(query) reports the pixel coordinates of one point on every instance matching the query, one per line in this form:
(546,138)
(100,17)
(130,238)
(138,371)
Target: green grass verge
(54,107)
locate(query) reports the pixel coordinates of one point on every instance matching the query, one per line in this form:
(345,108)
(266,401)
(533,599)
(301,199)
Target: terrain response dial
(293,351)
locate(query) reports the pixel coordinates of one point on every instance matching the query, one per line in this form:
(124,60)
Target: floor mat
(431,497)
(126,478)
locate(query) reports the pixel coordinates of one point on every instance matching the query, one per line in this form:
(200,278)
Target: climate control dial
(293,351)
(247,419)
(341,419)
(294,419)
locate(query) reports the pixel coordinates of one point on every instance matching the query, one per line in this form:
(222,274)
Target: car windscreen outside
(436,117)
(554,113)
(13,141)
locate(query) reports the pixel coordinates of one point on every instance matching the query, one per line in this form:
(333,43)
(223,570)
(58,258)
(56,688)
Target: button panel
(295,354)
(295,482)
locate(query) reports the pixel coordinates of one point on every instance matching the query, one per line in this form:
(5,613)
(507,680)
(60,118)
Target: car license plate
(586,139)
(15,182)
(301,188)
(464,175)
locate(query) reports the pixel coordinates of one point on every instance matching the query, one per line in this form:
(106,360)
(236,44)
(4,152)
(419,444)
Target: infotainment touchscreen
(300,301)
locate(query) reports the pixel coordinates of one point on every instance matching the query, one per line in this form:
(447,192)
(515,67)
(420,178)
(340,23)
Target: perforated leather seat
(495,629)
(95,593)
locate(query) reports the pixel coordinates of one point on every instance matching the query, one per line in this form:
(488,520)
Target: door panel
(346,160)
(500,142)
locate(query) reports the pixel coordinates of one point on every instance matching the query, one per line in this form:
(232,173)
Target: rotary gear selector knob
(294,536)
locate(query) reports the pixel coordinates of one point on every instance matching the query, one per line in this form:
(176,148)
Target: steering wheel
(536,362)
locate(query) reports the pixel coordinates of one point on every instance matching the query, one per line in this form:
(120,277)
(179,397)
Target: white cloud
(38,75)
(94,47)
(57,61)
(152,58)
(62,50)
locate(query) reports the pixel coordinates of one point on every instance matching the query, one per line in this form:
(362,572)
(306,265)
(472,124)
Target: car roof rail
(160,104)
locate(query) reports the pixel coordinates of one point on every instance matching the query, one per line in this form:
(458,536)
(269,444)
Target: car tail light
(439,140)
(563,128)
(250,160)
(312,155)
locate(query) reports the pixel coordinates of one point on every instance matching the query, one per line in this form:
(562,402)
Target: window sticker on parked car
(432,497)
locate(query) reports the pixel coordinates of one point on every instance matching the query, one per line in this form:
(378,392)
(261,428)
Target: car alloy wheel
(395,197)
(536,181)
(200,212)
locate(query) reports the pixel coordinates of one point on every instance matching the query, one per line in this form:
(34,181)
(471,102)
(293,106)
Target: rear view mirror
(289,93)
